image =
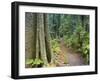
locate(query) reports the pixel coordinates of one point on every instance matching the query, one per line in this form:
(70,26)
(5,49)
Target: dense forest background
(56,40)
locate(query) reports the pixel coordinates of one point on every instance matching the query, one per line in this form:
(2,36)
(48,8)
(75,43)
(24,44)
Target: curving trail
(72,58)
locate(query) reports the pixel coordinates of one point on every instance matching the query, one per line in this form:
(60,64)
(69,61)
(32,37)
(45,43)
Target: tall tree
(40,20)
(47,39)
(37,39)
(30,36)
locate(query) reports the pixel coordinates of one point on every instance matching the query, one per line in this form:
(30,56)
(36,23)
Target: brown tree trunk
(47,39)
(43,53)
(30,36)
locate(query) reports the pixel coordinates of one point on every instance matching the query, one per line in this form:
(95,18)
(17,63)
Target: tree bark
(40,20)
(37,41)
(47,39)
(30,35)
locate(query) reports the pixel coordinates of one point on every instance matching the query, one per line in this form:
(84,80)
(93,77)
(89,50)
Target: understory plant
(34,62)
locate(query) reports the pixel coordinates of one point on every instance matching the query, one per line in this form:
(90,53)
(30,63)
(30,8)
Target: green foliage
(84,40)
(65,25)
(54,24)
(29,61)
(68,41)
(55,46)
(85,48)
(34,63)
(37,62)
(73,29)
(79,41)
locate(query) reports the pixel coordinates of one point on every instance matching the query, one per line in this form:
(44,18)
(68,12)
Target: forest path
(73,58)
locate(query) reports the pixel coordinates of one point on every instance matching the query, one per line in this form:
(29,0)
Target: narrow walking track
(72,58)
(75,59)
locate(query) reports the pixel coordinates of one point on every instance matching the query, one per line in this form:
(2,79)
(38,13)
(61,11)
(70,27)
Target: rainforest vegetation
(53,40)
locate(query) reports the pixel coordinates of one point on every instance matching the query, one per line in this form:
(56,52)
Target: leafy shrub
(34,63)
(85,48)
(79,41)
(55,46)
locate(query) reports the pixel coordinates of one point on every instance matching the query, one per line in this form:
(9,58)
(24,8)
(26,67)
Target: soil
(73,58)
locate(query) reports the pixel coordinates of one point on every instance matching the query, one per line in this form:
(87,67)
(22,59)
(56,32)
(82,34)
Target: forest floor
(73,58)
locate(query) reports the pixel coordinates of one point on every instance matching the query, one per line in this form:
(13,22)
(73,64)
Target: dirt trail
(73,59)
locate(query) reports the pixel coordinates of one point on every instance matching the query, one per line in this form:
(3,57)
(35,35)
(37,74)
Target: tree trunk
(30,36)
(40,21)
(47,39)
(37,41)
